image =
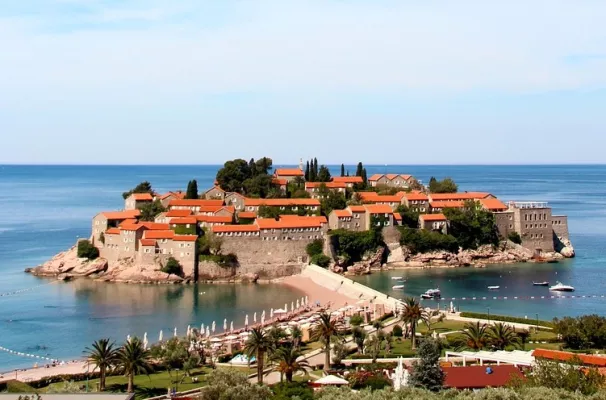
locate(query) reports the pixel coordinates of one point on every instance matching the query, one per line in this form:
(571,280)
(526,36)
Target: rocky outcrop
(563,247)
(369,261)
(68,264)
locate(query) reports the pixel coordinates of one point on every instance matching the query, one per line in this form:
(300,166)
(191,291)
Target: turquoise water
(45,209)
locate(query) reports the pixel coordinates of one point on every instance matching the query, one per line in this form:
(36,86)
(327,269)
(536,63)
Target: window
(146,250)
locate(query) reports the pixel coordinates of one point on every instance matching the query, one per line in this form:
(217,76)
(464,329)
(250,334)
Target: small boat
(398,287)
(396,278)
(432,294)
(560,287)
(545,283)
(493,287)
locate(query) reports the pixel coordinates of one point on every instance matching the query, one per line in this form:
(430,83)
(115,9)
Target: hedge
(505,318)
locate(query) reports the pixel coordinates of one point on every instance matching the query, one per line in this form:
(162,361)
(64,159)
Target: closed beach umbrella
(255,317)
(231,326)
(161,336)
(213,327)
(297,304)
(451,307)
(262,320)
(128,338)
(292,306)
(263,315)
(246,321)
(271,313)
(207,331)
(202,330)
(175,332)
(188,330)
(225,324)
(302,301)
(145,342)
(306,299)
(285,307)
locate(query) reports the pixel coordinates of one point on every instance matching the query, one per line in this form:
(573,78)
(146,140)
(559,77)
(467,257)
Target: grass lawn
(442,327)
(400,348)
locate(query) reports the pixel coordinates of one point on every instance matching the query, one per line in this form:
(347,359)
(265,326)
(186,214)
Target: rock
(396,255)
(250,277)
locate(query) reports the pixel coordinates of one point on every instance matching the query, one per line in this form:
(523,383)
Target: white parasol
(246,320)
(224,324)
(212,328)
(231,326)
(160,336)
(255,317)
(175,333)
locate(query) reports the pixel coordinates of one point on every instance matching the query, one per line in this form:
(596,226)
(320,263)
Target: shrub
(222,260)
(352,245)
(87,250)
(422,241)
(373,380)
(290,390)
(173,267)
(320,260)
(314,248)
(397,331)
(515,237)
(356,320)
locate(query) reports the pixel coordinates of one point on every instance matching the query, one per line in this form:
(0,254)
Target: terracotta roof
(183,221)
(447,204)
(168,234)
(318,218)
(459,196)
(247,214)
(112,231)
(379,209)
(288,223)
(347,179)
(417,196)
(178,213)
(476,377)
(397,216)
(279,181)
(282,202)
(177,195)
(387,199)
(185,238)
(329,185)
(235,228)
(130,226)
(148,242)
(368,195)
(342,213)
(210,209)
(127,222)
(493,204)
(216,187)
(391,177)
(557,355)
(142,196)
(126,214)
(433,217)
(230,209)
(289,172)
(357,209)
(154,226)
(195,202)
(225,219)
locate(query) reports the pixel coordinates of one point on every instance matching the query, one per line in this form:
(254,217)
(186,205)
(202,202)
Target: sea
(45,209)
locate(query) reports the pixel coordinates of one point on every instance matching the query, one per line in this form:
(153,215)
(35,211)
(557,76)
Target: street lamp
(537,327)
(488,315)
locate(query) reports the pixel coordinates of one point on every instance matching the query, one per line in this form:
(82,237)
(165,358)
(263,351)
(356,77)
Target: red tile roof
(168,234)
(347,179)
(416,196)
(247,214)
(130,226)
(185,238)
(289,172)
(235,228)
(386,199)
(342,213)
(279,181)
(391,177)
(142,196)
(357,209)
(447,204)
(178,213)
(225,219)
(329,185)
(379,209)
(177,195)
(148,242)
(229,209)
(112,231)
(154,226)
(282,202)
(476,377)
(459,196)
(216,187)
(433,217)
(317,218)
(194,202)
(209,209)
(493,204)
(127,214)
(183,221)
(397,216)
(368,195)
(290,223)
(557,355)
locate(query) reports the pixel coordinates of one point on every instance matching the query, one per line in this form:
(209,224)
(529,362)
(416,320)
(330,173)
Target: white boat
(398,287)
(396,278)
(545,283)
(493,287)
(432,294)
(560,287)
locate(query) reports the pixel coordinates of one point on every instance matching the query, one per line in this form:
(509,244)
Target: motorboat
(432,294)
(545,283)
(398,287)
(493,287)
(396,278)
(560,287)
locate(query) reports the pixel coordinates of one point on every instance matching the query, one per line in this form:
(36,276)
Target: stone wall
(560,226)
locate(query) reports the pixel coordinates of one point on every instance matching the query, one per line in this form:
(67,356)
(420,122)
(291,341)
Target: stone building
(214,193)
(315,188)
(433,222)
(393,180)
(195,205)
(416,201)
(289,174)
(349,181)
(110,219)
(288,227)
(310,205)
(136,200)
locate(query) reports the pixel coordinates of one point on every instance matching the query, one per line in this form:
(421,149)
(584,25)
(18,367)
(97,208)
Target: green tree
(87,250)
(104,356)
(364,178)
(227,384)
(446,185)
(332,201)
(356,320)
(260,185)
(397,331)
(359,337)
(472,226)
(174,354)
(296,335)
(307,170)
(422,241)
(410,218)
(315,247)
(323,174)
(359,169)
(233,174)
(567,375)
(475,337)
(143,187)
(134,359)
(149,211)
(412,314)
(258,344)
(173,267)
(515,237)
(426,373)
(326,330)
(342,170)
(320,260)
(286,361)
(584,332)
(372,347)
(523,335)
(192,190)
(315,169)
(502,336)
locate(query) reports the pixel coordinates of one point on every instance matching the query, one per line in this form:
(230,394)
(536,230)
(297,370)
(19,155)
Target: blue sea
(44,209)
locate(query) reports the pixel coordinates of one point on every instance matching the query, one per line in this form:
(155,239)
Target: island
(257,222)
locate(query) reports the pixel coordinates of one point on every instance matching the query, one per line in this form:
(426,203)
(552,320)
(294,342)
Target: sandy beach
(317,293)
(34,374)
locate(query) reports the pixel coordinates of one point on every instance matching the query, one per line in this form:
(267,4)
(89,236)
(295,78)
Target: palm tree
(523,335)
(102,355)
(134,359)
(501,336)
(296,335)
(475,336)
(411,315)
(287,361)
(258,344)
(325,332)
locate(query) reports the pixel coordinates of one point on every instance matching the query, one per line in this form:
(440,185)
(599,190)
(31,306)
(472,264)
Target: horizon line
(285,164)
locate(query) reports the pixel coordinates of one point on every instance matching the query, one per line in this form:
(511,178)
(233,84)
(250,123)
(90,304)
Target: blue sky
(385,82)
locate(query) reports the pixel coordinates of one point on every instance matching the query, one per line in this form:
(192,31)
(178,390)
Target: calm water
(45,209)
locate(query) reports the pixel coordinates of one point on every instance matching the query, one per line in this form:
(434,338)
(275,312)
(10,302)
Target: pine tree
(252,166)
(324,174)
(342,170)
(192,190)
(364,176)
(316,168)
(307,171)
(426,373)
(312,171)
(359,169)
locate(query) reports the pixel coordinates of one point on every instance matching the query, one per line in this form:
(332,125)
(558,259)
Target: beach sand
(35,374)
(317,293)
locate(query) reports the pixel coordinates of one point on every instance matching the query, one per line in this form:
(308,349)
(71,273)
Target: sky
(381,81)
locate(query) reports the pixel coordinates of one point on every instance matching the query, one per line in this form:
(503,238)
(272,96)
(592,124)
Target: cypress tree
(359,169)
(307,171)
(312,171)
(342,170)
(253,168)
(364,177)
(192,190)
